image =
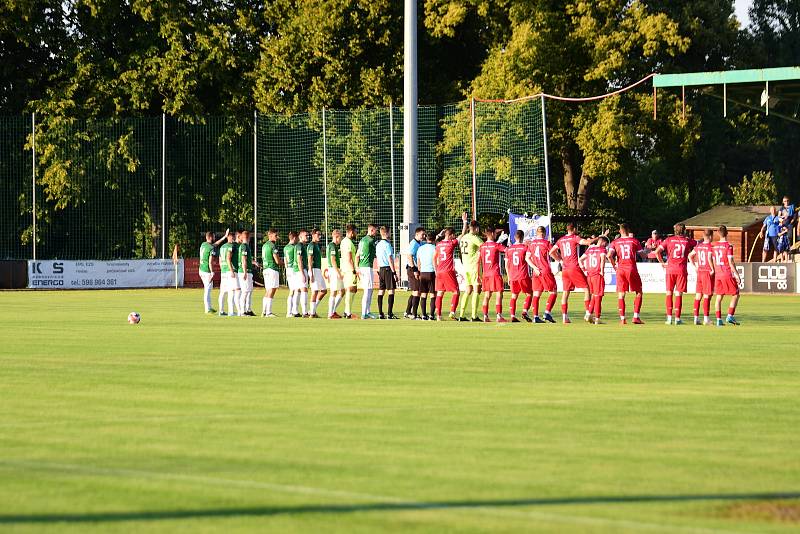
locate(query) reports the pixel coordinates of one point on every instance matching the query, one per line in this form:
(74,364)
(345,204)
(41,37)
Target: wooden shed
(743,222)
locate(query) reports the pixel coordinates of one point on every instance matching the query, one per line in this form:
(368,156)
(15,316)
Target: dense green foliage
(121,60)
(188,423)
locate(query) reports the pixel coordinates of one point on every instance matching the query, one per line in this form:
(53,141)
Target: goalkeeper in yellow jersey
(469,244)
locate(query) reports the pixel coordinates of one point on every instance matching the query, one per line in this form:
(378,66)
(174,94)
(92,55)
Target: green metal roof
(726,77)
(734,217)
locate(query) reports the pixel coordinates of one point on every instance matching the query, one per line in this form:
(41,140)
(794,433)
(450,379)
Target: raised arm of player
(592,241)
(222,239)
(529,261)
(464,225)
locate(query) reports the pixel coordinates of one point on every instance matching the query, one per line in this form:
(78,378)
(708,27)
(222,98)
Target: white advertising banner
(92,274)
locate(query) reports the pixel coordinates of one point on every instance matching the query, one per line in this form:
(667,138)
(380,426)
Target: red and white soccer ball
(134,318)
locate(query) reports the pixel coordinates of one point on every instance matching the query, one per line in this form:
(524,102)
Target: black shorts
(413,283)
(427,283)
(386,279)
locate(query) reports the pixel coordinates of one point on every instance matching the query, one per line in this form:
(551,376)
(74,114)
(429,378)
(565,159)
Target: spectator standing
(651,245)
(770,231)
(791,213)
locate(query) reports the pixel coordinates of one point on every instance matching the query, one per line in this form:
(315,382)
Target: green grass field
(190,423)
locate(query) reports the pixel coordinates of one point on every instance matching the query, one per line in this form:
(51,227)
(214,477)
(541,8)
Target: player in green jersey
(315,278)
(365,257)
(229,283)
(206,270)
(290,261)
(271,264)
(334,273)
(245,275)
(469,243)
(348,268)
(302,268)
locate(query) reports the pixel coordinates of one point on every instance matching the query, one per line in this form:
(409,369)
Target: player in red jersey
(622,255)
(538,258)
(702,257)
(446,281)
(492,280)
(566,251)
(593,261)
(678,247)
(727,278)
(518,276)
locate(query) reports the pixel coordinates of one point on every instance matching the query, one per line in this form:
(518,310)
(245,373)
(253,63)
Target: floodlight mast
(410,150)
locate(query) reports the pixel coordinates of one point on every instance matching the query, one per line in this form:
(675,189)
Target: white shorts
(229,284)
(272,279)
(245,285)
(296,281)
(365,278)
(207,278)
(319,282)
(336,282)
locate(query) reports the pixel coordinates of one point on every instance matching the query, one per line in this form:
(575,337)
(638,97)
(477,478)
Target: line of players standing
(431,273)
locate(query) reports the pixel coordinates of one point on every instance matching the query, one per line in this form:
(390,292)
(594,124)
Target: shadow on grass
(266,511)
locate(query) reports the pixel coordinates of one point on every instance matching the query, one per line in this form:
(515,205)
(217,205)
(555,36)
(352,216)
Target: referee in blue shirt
(427,275)
(387,276)
(412,271)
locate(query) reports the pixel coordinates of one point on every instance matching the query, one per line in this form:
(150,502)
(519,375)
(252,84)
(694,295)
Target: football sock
(485,309)
(454,302)
(366,302)
(263,305)
(621,306)
(221,302)
(696,308)
(637,305)
(380,303)
(424,301)
(432,305)
(242,302)
(336,301)
(731,311)
(462,306)
(415,307)
(598,306)
(314,304)
(391,303)
(678,305)
(410,304)
(207,295)
(527,305)
(564,308)
(475,297)
(513,306)
(498,309)
(719,314)
(268,304)
(230,303)
(551,301)
(439,304)
(348,303)
(706,306)
(289,304)
(668,304)
(248,301)
(304,302)
(536,306)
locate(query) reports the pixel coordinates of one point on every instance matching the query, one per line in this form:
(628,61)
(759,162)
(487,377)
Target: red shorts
(446,281)
(597,285)
(726,285)
(629,280)
(573,278)
(705,283)
(493,283)
(521,286)
(676,282)
(545,282)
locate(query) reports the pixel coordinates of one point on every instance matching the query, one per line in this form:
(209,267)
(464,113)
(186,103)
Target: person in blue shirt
(412,272)
(791,212)
(387,276)
(772,227)
(427,275)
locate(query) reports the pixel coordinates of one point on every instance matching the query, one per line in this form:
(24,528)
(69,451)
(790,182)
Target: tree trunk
(568,163)
(582,200)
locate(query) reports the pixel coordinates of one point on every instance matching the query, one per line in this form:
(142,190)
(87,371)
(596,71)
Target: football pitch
(191,423)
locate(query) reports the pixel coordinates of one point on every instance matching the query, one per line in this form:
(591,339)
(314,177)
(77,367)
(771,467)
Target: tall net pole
(163,185)
(33,178)
(325,170)
(546,161)
(474,156)
(410,132)
(391,170)
(255,184)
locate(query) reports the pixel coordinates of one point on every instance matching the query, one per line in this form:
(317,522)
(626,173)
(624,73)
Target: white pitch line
(369,497)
